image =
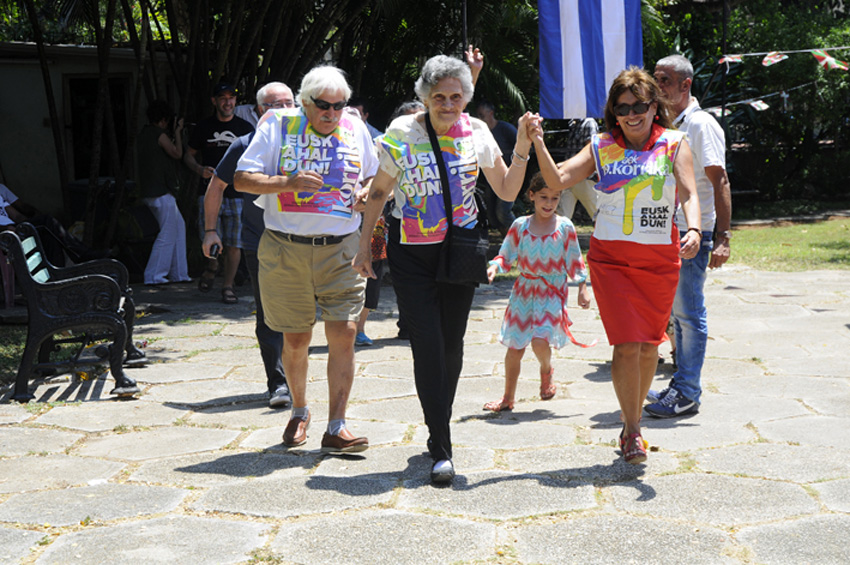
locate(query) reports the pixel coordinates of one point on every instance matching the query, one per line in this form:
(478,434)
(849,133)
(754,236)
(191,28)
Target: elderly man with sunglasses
(310,166)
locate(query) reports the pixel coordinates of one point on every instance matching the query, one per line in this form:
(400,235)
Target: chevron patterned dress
(537,307)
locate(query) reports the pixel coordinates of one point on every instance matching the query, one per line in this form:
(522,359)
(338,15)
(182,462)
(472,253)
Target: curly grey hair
(440,67)
(319,79)
(680,65)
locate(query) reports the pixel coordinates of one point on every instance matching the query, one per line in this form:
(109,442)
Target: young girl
(545,247)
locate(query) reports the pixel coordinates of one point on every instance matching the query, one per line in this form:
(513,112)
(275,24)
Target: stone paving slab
(835,494)
(24,474)
(101,502)
(499,495)
(272,497)
(164,373)
(713,499)
(393,537)
(176,539)
(777,462)
(600,465)
(220,467)
(15,543)
(403,462)
(162,442)
(824,431)
(816,539)
(104,416)
(620,539)
(13,414)
(32,440)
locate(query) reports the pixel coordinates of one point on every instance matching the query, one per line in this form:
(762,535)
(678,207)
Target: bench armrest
(77,296)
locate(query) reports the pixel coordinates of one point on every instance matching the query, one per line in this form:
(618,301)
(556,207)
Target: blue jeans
(689,321)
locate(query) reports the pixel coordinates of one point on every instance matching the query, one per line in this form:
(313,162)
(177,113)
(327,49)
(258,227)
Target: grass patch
(794,247)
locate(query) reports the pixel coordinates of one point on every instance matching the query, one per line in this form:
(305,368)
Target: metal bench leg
(22,392)
(135,356)
(124,385)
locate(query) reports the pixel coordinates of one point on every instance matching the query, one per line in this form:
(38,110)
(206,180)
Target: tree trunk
(56,127)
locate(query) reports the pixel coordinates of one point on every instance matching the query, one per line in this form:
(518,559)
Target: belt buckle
(319,239)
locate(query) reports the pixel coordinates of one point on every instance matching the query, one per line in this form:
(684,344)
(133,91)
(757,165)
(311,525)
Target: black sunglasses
(637,108)
(325,105)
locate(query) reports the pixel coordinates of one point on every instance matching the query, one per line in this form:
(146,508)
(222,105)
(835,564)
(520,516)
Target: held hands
(491,273)
(690,243)
(530,128)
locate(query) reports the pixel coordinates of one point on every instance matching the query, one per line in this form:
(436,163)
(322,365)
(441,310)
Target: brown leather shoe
(295,433)
(344,442)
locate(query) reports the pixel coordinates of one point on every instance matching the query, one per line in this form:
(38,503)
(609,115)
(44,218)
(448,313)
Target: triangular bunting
(759,105)
(773,57)
(716,111)
(828,62)
(730,59)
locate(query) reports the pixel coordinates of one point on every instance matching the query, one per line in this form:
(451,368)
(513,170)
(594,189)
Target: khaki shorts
(295,277)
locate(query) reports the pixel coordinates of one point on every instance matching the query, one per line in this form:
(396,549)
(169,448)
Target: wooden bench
(92,300)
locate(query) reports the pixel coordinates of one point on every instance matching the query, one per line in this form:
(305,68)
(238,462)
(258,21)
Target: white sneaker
(442,472)
(281,397)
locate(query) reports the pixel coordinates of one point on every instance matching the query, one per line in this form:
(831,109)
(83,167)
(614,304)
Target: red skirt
(634,285)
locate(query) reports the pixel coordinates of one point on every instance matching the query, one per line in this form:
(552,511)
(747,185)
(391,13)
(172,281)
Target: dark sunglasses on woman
(624,109)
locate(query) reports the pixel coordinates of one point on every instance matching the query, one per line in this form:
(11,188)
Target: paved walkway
(193,471)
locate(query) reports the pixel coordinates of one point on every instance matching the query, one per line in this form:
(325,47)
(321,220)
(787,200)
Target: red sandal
(499,406)
(633,448)
(547,387)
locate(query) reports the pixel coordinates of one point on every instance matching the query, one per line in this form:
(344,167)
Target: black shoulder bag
(463,257)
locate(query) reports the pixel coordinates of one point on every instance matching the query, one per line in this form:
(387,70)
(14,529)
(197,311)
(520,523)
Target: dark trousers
(436,315)
(271,342)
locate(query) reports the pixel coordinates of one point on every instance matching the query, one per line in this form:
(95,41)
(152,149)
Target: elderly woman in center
(645,170)
(436,313)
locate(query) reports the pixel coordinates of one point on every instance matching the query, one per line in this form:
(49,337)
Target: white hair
(267,89)
(436,69)
(320,79)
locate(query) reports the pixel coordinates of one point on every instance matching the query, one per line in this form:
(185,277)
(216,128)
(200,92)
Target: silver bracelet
(520,158)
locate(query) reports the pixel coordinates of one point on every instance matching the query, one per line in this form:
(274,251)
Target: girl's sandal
(547,387)
(499,406)
(634,448)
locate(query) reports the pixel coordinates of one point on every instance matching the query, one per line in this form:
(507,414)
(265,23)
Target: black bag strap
(444,176)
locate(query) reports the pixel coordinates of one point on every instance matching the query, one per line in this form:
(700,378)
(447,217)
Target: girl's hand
(583,296)
(491,272)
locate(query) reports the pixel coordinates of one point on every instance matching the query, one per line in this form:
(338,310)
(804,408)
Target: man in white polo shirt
(708,145)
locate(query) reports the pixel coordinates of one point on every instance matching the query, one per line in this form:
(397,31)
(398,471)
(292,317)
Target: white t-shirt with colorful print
(286,143)
(636,192)
(405,153)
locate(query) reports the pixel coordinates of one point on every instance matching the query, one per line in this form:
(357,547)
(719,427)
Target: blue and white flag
(584,44)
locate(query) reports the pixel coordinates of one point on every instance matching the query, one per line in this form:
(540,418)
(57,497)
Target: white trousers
(583,192)
(168,256)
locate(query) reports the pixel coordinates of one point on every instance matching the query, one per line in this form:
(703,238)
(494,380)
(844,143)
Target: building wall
(28,162)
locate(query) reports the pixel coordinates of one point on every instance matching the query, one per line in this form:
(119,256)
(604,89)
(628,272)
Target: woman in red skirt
(645,169)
